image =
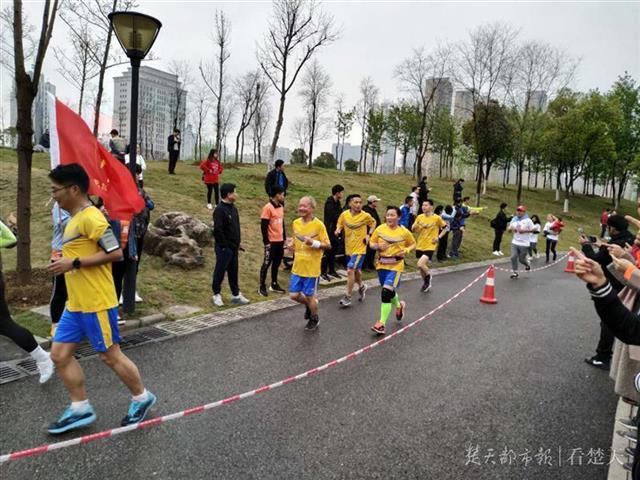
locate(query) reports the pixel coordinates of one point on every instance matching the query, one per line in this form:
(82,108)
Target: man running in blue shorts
(88,248)
(309,240)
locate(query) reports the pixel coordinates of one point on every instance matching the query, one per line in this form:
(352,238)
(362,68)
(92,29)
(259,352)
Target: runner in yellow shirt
(358,227)
(393,242)
(430,228)
(309,240)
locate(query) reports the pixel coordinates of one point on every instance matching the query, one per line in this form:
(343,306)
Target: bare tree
(424,77)
(247,90)
(539,70)
(369,97)
(202,104)
(484,66)
(214,74)
(315,92)
(300,131)
(260,123)
(343,125)
(181,69)
(297,29)
(78,66)
(26,89)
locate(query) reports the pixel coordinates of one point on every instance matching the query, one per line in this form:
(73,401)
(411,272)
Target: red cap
(521,207)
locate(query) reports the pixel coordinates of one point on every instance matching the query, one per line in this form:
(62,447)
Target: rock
(179,311)
(178,238)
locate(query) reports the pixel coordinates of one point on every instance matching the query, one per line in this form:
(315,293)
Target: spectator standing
(58,300)
(117,145)
(448,214)
(551,231)
(174,141)
(332,211)
(276,177)
(372,209)
(617,227)
(139,162)
(457,189)
(521,226)
(533,237)
(457,228)
(424,190)
(415,207)
(405,212)
(499,225)
(141,225)
(226,232)
(603,221)
(211,171)
(273,236)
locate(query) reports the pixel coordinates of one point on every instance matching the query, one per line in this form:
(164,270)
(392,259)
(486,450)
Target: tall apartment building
(161,98)
(40,111)
(443,92)
(463,106)
(538,100)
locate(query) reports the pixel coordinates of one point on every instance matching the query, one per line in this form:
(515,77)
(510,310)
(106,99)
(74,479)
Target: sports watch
(76,263)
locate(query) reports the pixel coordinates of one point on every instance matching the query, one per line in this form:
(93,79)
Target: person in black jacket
(276,178)
(226,232)
(623,323)
(424,191)
(372,209)
(173,146)
(499,224)
(620,235)
(457,189)
(332,210)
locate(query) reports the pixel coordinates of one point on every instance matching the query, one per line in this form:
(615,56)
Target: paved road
(472,376)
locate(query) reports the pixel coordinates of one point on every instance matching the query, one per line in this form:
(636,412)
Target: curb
(618,444)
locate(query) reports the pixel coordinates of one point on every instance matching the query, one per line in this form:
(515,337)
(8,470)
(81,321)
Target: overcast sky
(376,36)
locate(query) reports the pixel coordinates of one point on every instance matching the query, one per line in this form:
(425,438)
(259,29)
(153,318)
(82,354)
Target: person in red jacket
(603,221)
(212,169)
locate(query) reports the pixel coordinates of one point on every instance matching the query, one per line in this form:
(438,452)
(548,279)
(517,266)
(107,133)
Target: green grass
(161,285)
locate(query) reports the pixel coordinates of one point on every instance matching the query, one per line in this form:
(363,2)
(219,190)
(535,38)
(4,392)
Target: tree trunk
(519,171)
(480,168)
(276,132)
(241,148)
(312,133)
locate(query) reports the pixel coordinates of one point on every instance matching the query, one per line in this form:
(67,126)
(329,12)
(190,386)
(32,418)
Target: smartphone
(592,239)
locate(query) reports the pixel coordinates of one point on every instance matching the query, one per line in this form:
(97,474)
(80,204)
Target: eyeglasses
(56,190)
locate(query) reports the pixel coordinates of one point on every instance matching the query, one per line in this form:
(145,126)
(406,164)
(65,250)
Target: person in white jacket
(140,161)
(521,226)
(533,237)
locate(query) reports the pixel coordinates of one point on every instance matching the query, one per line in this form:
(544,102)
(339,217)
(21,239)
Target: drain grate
(29,365)
(154,333)
(84,350)
(8,373)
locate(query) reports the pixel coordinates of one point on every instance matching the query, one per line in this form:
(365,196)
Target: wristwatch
(76,263)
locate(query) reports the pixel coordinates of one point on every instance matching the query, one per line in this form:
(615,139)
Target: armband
(629,272)
(316,244)
(108,242)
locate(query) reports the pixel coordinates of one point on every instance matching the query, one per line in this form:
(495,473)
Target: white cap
(372,198)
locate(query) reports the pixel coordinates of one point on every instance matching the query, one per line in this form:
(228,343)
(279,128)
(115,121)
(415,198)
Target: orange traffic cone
(570,264)
(489,295)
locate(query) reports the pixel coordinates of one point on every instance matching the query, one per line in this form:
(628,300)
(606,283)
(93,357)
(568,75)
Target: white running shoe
(500,252)
(138,298)
(496,253)
(46,369)
(209,206)
(217,300)
(240,300)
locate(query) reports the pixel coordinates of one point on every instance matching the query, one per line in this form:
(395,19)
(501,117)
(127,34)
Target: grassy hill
(162,285)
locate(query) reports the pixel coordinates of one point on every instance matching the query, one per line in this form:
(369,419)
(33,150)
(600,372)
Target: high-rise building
(40,110)
(443,92)
(538,100)
(463,105)
(161,99)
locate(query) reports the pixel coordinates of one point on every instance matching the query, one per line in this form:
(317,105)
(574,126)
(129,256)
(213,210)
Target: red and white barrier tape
(191,411)
(536,269)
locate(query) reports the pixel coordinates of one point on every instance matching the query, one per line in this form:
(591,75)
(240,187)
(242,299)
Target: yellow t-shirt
(90,289)
(355,229)
(429,229)
(306,260)
(399,239)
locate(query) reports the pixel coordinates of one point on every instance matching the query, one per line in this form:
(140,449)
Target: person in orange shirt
(273,235)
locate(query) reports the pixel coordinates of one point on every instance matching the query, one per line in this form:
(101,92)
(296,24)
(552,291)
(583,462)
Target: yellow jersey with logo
(429,229)
(399,239)
(306,260)
(355,228)
(89,289)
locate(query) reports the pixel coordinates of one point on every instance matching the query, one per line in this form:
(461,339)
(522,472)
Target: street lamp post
(136,33)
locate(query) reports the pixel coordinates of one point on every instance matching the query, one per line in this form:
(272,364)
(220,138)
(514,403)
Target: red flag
(73,142)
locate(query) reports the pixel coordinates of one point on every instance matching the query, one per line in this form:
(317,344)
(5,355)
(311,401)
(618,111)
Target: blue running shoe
(70,420)
(138,410)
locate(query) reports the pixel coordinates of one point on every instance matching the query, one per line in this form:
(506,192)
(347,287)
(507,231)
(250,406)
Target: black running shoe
(326,277)
(313,322)
(335,275)
(426,285)
(598,362)
(277,288)
(527,267)
(263,291)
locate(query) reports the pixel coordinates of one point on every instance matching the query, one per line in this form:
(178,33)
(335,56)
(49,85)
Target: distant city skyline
(604,35)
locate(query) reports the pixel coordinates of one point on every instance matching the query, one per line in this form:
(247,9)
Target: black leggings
(551,245)
(8,328)
(58,298)
(497,239)
(272,257)
(442,248)
(214,187)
